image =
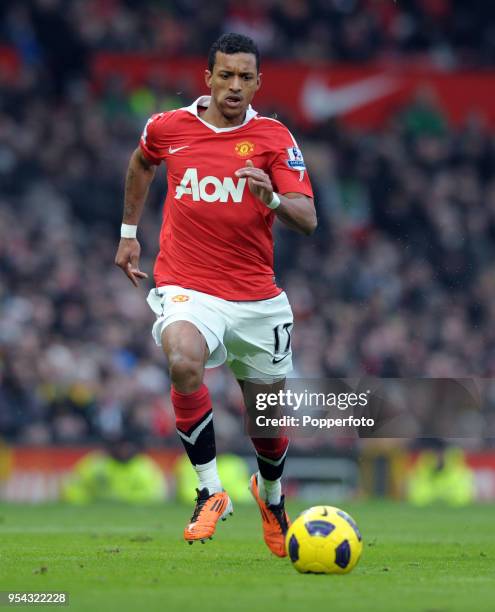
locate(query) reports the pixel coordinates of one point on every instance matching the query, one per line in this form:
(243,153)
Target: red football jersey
(216,237)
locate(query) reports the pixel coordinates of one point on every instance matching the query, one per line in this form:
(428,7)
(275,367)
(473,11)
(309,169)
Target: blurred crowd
(449,32)
(398,280)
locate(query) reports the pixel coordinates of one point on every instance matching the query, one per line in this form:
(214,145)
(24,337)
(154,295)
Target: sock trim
(192,438)
(275,462)
(196,424)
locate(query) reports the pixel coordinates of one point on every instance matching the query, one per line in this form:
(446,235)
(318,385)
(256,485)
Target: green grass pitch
(111,557)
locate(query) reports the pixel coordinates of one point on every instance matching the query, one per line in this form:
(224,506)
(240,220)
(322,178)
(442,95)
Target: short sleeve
(288,170)
(155,138)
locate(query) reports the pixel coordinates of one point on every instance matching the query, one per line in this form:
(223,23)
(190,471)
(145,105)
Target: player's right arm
(140,174)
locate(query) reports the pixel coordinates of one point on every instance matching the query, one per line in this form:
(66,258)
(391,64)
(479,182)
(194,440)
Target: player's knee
(186,373)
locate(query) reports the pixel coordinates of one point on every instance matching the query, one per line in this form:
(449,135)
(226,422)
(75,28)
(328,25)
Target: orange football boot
(209,508)
(274,518)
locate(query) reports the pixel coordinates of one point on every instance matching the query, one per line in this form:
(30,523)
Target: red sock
(189,408)
(271,448)
(194,422)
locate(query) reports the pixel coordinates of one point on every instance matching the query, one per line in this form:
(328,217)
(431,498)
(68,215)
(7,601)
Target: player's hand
(127,259)
(259,182)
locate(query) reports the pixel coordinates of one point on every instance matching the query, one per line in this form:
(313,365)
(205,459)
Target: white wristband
(275,203)
(128,231)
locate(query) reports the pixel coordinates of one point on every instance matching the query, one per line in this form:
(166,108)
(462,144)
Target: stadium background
(391,104)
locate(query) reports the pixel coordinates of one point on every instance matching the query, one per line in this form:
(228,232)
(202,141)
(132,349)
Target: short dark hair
(233,43)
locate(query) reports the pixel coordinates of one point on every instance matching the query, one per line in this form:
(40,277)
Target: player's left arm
(295,210)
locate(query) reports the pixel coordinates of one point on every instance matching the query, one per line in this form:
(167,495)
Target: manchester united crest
(244,148)
(180,298)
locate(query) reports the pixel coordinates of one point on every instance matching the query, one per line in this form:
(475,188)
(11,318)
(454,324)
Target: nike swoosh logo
(172,151)
(275,360)
(321,101)
(324,512)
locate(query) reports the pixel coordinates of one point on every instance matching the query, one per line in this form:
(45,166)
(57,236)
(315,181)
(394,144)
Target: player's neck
(215,118)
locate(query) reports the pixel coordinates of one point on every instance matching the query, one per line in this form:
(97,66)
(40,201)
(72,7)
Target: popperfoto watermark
(314,422)
(370,407)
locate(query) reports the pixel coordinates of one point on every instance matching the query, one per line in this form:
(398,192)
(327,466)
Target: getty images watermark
(371,407)
(287,399)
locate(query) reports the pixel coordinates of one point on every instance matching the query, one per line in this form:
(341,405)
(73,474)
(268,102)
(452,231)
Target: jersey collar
(205,101)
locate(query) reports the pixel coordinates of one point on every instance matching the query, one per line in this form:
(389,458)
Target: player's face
(233,83)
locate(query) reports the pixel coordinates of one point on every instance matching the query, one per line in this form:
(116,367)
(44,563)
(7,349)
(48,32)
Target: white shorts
(254,338)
